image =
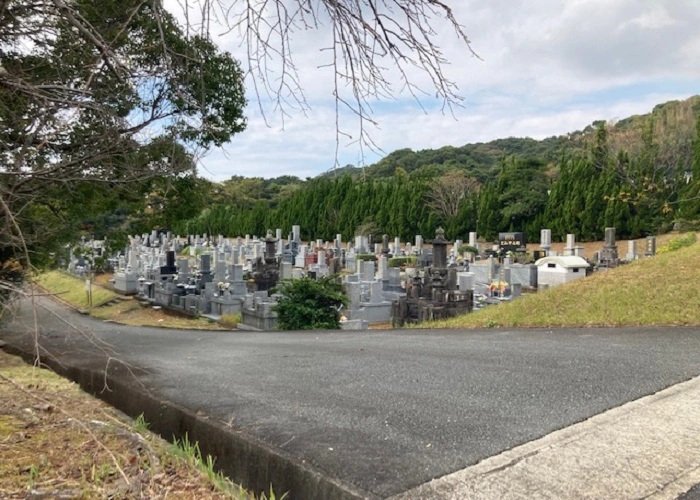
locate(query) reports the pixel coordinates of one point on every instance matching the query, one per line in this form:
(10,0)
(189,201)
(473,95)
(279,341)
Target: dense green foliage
(310,304)
(640,176)
(673,129)
(324,207)
(101,104)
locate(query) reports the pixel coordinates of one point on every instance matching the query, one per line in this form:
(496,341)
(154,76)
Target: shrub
(405,261)
(677,243)
(365,256)
(309,304)
(230,320)
(470,249)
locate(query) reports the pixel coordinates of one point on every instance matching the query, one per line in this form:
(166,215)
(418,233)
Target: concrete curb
(245,460)
(486,477)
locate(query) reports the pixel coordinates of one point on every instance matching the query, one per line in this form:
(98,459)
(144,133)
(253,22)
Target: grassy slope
(54,439)
(72,289)
(663,290)
(128,312)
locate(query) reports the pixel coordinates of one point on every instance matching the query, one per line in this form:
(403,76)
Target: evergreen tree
(689,206)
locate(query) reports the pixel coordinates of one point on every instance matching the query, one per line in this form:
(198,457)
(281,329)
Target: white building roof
(565,261)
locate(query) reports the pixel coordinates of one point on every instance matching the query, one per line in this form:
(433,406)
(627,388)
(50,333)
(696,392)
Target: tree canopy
(101,92)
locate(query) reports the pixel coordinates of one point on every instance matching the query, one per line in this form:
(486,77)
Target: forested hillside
(641,175)
(673,124)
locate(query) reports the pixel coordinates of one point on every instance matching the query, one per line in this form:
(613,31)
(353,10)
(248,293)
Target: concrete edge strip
(247,461)
(569,434)
(678,487)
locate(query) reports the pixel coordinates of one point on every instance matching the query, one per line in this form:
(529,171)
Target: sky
(544,68)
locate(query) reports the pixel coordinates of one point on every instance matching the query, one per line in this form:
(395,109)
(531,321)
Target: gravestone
(350,263)
(465,281)
(367,270)
(169,267)
(382,266)
(491,269)
(608,255)
(183,270)
(354,291)
(205,268)
(546,240)
(300,259)
(385,244)
(280,241)
(440,249)
(434,294)
(570,244)
(286,270)
(375,292)
(220,271)
(650,247)
(392,280)
(511,242)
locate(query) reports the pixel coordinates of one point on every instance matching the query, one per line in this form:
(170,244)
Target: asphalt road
(384,410)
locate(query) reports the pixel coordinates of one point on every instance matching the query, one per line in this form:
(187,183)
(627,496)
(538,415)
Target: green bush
(404,261)
(365,256)
(467,248)
(309,304)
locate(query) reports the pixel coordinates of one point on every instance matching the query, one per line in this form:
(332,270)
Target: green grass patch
(677,243)
(189,452)
(72,290)
(662,290)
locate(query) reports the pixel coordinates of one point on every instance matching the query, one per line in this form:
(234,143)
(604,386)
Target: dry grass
(56,441)
(130,312)
(662,290)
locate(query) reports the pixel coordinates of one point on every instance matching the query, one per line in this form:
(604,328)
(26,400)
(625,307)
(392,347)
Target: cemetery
(386,283)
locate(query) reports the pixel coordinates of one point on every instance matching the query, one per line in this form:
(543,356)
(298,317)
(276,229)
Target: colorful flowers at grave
(498,286)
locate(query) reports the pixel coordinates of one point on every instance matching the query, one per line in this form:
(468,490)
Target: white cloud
(549,67)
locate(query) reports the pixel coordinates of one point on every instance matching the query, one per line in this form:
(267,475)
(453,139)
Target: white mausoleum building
(560,269)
